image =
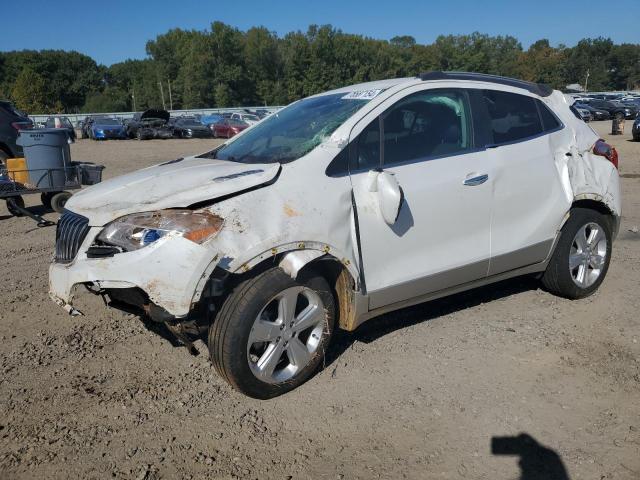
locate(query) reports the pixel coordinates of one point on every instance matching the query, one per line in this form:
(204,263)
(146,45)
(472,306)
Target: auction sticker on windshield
(362,94)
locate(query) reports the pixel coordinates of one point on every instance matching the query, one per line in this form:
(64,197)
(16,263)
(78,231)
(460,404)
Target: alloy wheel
(286,334)
(588,254)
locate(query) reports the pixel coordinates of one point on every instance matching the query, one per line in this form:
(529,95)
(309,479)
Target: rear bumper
(171,273)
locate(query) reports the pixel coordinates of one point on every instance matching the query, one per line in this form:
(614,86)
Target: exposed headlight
(138,230)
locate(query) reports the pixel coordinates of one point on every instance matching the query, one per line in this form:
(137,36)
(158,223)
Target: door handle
(477,180)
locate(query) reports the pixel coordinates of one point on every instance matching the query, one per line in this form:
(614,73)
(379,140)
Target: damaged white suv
(343,206)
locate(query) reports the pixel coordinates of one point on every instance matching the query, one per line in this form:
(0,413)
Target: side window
(427,124)
(512,116)
(549,120)
(365,151)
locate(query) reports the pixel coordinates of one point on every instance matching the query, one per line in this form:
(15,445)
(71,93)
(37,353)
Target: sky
(115,30)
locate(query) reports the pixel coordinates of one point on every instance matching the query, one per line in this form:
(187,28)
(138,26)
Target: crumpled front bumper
(171,271)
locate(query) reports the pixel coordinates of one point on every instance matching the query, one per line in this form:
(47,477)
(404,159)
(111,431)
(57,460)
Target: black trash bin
(47,155)
(90,173)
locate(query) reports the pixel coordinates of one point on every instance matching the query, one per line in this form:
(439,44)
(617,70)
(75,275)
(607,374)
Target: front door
(441,237)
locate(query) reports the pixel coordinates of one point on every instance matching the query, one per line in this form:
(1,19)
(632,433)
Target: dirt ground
(415,394)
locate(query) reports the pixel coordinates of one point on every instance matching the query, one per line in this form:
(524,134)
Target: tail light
(605,150)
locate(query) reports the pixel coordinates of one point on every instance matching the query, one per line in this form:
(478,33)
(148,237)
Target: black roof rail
(537,88)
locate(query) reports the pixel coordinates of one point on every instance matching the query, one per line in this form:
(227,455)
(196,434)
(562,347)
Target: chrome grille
(70,233)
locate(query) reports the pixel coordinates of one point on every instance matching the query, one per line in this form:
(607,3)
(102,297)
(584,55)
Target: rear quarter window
(512,117)
(549,121)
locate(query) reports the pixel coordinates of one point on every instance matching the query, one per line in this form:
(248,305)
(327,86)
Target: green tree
(30,93)
(544,64)
(589,56)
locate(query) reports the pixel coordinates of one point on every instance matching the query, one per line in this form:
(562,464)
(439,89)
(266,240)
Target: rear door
(529,201)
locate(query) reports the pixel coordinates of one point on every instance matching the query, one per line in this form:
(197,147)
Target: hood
(155,113)
(174,184)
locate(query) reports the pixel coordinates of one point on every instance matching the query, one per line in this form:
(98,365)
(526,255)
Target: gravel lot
(414,394)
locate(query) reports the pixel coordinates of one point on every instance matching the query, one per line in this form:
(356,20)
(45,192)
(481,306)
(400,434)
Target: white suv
(343,206)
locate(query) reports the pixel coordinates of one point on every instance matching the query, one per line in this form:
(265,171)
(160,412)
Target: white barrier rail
(75,117)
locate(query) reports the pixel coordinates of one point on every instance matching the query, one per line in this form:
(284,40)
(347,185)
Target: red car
(227,128)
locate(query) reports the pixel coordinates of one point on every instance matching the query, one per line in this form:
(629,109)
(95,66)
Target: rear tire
(581,259)
(271,333)
(59,200)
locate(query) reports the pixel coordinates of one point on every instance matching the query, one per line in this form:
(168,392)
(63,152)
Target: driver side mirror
(389,192)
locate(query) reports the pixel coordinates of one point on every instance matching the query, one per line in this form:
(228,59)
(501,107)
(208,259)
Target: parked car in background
(631,102)
(12,121)
(190,128)
(248,118)
(596,114)
(150,124)
(262,113)
(583,113)
(635,130)
(612,108)
(227,128)
(630,110)
(209,119)
(422,187)
(63,123)
(107,128)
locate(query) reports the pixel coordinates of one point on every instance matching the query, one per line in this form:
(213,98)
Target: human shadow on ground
(536,461)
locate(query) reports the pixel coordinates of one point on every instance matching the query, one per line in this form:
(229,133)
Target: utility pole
(170,98)
(586,81)
(133,97)
(164,106)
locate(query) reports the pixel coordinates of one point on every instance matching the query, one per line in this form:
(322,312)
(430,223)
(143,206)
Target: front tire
(581,259)
(272,332)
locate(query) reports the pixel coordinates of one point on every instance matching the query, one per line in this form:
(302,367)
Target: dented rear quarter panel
(584,176)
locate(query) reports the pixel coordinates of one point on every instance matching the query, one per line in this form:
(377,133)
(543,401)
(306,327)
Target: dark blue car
(105,128)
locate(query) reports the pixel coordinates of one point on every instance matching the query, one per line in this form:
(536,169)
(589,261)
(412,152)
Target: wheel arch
(342,281)
(339,273)
(593,203)
(597,204)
